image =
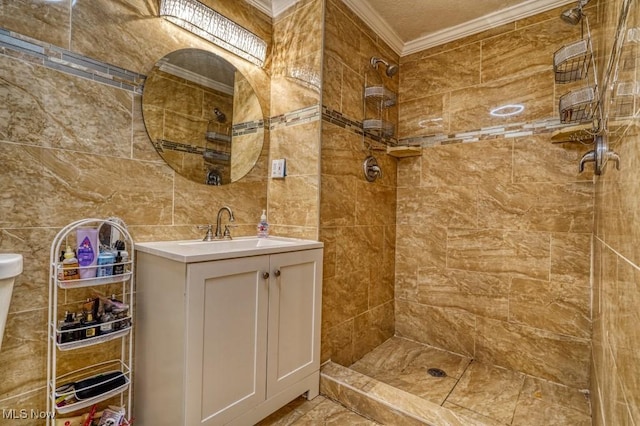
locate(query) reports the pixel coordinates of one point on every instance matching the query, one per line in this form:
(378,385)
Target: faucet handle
(209,235)
(227,231)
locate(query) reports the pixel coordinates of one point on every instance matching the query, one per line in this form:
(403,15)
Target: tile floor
(490,394)
(319,411)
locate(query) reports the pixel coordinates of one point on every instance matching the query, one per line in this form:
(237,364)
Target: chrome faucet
(227,233)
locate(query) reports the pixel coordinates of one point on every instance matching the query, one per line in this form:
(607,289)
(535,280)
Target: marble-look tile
(293,201)
(373,327)
(540,207)
(43,108)
(409,171)
(382,278)
(332,83)
(490,391)
(337,24)
(23,360)
(68,185)
(420,246)
(571,258)
(552,306)
(337,343)
(473,417)
(375,204)
(299,144)
(34,400)
(534,92)
(450,206)
(536,159)
(423,116)
(328,236)
(475,292)
(403,364)
(142,146)
(539,353)
(45,21)
(428,75)
(331,413)
(344,297)
(467,164)
(352,94)
(526,50)
(450,329)
(551,404)
(521,253)
(358,249)
(338,205)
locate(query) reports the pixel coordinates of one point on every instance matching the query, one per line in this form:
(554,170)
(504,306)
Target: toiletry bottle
(87,251)
(118,267)
(70,266)
(263,226)
(121,248)
(106,259)
(68,323)
(88,321)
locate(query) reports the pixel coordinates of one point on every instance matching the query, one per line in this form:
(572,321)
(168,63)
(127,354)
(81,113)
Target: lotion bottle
(263,226)
(87,251)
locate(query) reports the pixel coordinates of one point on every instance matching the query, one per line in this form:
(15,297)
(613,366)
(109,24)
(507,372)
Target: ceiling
(409,26)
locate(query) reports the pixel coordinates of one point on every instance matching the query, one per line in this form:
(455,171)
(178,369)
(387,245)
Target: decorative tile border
(477,135)
(28,49)
(294,118)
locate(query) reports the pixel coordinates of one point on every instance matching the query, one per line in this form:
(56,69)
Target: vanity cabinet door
(295,291)
(227,304)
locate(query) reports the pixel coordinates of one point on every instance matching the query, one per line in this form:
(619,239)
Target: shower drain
(436,372)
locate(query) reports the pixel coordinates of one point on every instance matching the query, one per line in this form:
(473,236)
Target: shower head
(220,116)
(574,15)
(391,70)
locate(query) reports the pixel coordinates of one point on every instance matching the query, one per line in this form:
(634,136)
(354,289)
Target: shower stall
(458,287)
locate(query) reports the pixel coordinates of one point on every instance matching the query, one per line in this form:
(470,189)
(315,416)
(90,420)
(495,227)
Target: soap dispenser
(263,226)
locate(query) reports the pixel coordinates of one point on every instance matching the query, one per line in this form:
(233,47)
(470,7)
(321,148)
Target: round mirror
(203,117)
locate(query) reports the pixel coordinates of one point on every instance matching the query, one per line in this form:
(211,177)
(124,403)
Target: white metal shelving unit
(115,374)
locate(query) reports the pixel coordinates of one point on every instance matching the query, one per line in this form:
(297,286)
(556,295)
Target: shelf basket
(571,62)
(380,128)
(380,96)
(577,106)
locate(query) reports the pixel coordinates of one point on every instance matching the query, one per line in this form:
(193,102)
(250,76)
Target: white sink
(238,244)
(202,251)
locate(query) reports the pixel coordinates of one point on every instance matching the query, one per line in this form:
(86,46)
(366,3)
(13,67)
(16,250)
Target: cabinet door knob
(265,275)
(276,272)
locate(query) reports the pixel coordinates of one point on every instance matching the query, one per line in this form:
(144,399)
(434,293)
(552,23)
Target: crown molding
(384,30)
(263,6)
(377,23)
(273,8)
(505,16)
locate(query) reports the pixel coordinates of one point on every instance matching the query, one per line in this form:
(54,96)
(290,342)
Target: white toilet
(10,268)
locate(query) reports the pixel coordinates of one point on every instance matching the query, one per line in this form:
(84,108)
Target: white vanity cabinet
(226,341)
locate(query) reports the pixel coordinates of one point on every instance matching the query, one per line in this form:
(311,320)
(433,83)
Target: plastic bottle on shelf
(263,226)
(70,265)
(87,251)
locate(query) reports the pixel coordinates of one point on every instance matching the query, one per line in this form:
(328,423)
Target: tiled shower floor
(489,394)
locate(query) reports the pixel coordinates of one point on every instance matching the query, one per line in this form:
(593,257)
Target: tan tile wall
(73,148)
(615,369)
(357,218)
(493,237)
(295,84)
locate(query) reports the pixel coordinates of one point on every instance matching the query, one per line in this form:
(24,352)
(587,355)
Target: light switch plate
(279,168)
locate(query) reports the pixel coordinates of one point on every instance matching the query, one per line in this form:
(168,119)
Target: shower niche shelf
(404,151)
